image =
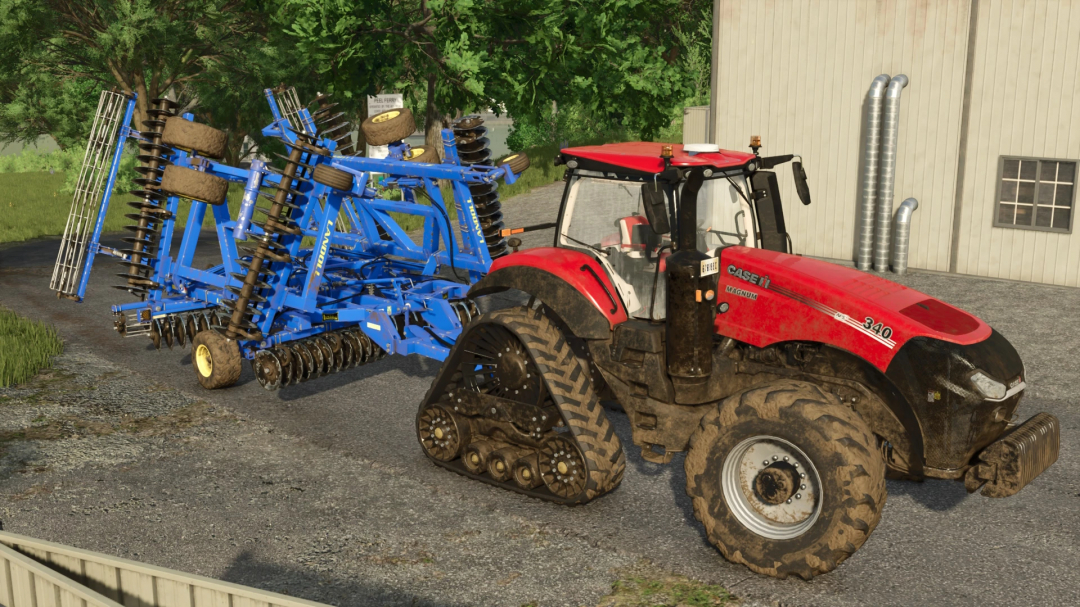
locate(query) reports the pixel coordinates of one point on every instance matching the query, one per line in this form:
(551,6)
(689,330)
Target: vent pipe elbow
(890,126)
(903,234)
(871,148)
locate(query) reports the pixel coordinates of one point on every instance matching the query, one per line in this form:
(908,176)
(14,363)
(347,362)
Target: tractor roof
(644,156)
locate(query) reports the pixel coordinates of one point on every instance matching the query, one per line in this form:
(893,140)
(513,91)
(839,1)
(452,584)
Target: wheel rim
(203,360)
(771,487)
(497,363)
(386,116)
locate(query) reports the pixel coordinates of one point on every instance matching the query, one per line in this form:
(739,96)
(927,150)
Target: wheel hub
(204,361)
(512,371)
(772,487)
(777,483)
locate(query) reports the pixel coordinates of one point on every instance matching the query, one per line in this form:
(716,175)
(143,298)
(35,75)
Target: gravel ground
(320,491)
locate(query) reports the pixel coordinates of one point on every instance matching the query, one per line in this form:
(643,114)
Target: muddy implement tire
(389,126)
(216,360)
(335,178)
(514,380)
(786,479)
(194,137)
(189,183)
(423,153)
(516,162)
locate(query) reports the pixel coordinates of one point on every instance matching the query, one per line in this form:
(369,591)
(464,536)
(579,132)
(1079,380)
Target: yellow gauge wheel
(414,153)
(386,116)
(203,361)
(216,359)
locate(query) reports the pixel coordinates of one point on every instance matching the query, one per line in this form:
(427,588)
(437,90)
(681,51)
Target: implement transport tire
(786,479)
(189,183)
(516,162)
(194,137)
(216,360)
(389,126)
(335,178)
(423,153)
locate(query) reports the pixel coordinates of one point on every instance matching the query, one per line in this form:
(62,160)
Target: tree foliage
(616,59)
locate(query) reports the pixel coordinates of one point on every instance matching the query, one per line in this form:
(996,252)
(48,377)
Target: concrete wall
(1025,101)
(796,73)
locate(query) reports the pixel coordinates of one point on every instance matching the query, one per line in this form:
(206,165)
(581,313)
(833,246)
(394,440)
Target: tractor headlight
(989,387)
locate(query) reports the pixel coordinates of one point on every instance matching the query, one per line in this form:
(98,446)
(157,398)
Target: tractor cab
(621,204)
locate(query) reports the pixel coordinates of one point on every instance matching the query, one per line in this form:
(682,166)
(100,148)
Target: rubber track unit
(568,387)
(833,435)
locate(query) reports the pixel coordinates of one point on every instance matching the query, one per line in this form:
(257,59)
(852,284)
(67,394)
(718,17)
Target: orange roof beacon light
(755,144)
(665,152)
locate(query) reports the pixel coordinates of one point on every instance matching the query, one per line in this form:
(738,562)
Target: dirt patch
(87,411)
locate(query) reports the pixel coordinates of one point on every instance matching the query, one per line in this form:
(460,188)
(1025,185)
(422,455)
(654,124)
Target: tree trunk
(361,139)
(433,119)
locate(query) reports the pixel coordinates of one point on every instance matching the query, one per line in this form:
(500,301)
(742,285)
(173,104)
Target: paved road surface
(320,489)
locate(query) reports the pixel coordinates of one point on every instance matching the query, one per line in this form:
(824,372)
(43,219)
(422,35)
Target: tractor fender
(572,284)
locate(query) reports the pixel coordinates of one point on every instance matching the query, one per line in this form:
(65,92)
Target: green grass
(26,347)
(32,206)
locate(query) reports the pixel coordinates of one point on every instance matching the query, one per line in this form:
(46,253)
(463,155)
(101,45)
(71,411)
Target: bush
(26,347)
(67,161)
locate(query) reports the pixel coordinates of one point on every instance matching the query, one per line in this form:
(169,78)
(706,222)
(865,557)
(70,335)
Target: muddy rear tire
(743,474)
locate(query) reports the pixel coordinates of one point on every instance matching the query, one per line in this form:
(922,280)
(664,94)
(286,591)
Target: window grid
(1035,194)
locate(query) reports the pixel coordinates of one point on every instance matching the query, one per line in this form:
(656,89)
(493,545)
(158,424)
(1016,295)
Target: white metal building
(989,127)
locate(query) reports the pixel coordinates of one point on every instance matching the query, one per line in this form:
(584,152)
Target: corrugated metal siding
(796,72)
(89,579)
(695,127)
(1025,102)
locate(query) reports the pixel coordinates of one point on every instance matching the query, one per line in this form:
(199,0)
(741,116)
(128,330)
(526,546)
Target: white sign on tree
(375,106)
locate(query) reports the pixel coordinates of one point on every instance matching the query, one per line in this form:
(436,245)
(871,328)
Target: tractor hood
(773,297)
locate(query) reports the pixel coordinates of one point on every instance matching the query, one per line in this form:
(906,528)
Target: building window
(1035,194)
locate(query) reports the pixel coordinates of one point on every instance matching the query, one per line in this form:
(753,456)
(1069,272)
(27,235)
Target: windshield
(606,218)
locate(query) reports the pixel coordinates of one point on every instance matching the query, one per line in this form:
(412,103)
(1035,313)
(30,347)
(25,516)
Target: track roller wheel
(442,435)
(216,360)
(786,479)
(527,472)
(477,454)
(501,463)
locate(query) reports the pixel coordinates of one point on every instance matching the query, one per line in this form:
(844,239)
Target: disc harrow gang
(298,361)
(147,228)
(473,148)
(512,407)
(170,329)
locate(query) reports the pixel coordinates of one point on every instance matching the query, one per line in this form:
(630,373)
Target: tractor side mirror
(800,182)
(655,202)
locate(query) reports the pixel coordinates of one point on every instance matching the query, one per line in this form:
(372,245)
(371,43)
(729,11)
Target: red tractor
(795,386)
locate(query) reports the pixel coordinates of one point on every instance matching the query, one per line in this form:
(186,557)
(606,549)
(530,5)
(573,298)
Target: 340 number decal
(876,327)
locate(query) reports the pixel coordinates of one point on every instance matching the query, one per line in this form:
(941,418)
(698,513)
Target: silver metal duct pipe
(891,121)
(903,231)
(871,155)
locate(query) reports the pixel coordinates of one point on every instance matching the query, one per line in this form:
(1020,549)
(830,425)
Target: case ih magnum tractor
(795,386)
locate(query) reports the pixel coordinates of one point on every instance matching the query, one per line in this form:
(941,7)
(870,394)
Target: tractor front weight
(316,274)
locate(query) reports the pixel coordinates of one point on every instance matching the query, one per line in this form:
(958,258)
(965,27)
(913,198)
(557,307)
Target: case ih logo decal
(750,277)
